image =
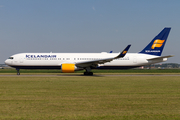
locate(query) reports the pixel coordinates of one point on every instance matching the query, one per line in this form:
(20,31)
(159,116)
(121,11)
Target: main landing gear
(18,73)
(88,71)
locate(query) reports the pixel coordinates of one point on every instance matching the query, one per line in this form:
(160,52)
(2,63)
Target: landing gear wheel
(88,73)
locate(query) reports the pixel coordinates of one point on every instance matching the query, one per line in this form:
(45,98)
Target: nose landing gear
(17,69)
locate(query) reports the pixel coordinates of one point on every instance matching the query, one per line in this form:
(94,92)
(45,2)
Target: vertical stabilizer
(155,47)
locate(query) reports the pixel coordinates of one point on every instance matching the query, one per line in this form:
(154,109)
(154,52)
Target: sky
(87,26)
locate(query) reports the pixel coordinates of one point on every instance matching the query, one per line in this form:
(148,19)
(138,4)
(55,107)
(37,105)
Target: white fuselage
(55,60)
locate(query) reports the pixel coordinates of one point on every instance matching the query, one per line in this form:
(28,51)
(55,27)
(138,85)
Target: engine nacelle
(68,68)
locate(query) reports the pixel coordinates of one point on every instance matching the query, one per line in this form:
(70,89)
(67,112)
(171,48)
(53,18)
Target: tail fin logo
(157,43)
(124,52)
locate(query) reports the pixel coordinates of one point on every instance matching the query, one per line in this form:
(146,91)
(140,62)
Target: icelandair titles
(148,51)
(40,56)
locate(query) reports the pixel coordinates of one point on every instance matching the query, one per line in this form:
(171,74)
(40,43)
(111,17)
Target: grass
(87,97)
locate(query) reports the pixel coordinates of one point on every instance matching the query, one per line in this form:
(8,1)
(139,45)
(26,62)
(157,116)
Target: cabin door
(21,60)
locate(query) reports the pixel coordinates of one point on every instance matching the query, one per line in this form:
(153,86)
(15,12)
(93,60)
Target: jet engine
(68,68)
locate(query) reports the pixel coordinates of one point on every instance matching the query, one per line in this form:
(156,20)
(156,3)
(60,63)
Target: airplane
(71,62)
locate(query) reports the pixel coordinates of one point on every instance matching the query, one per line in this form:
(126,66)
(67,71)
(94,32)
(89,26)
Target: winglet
(123,53)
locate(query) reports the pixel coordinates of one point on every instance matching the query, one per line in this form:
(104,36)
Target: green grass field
(90,97)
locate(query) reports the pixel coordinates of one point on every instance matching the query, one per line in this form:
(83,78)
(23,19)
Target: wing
(95,63)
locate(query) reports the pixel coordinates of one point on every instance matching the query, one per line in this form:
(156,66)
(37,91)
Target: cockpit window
(10,57)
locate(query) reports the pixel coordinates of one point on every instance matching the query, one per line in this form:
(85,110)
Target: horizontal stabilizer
(158,58)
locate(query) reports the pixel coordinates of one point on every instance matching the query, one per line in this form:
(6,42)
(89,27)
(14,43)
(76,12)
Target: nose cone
(7,62)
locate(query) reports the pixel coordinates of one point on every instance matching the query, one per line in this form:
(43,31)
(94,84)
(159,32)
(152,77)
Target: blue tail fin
(155,47)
